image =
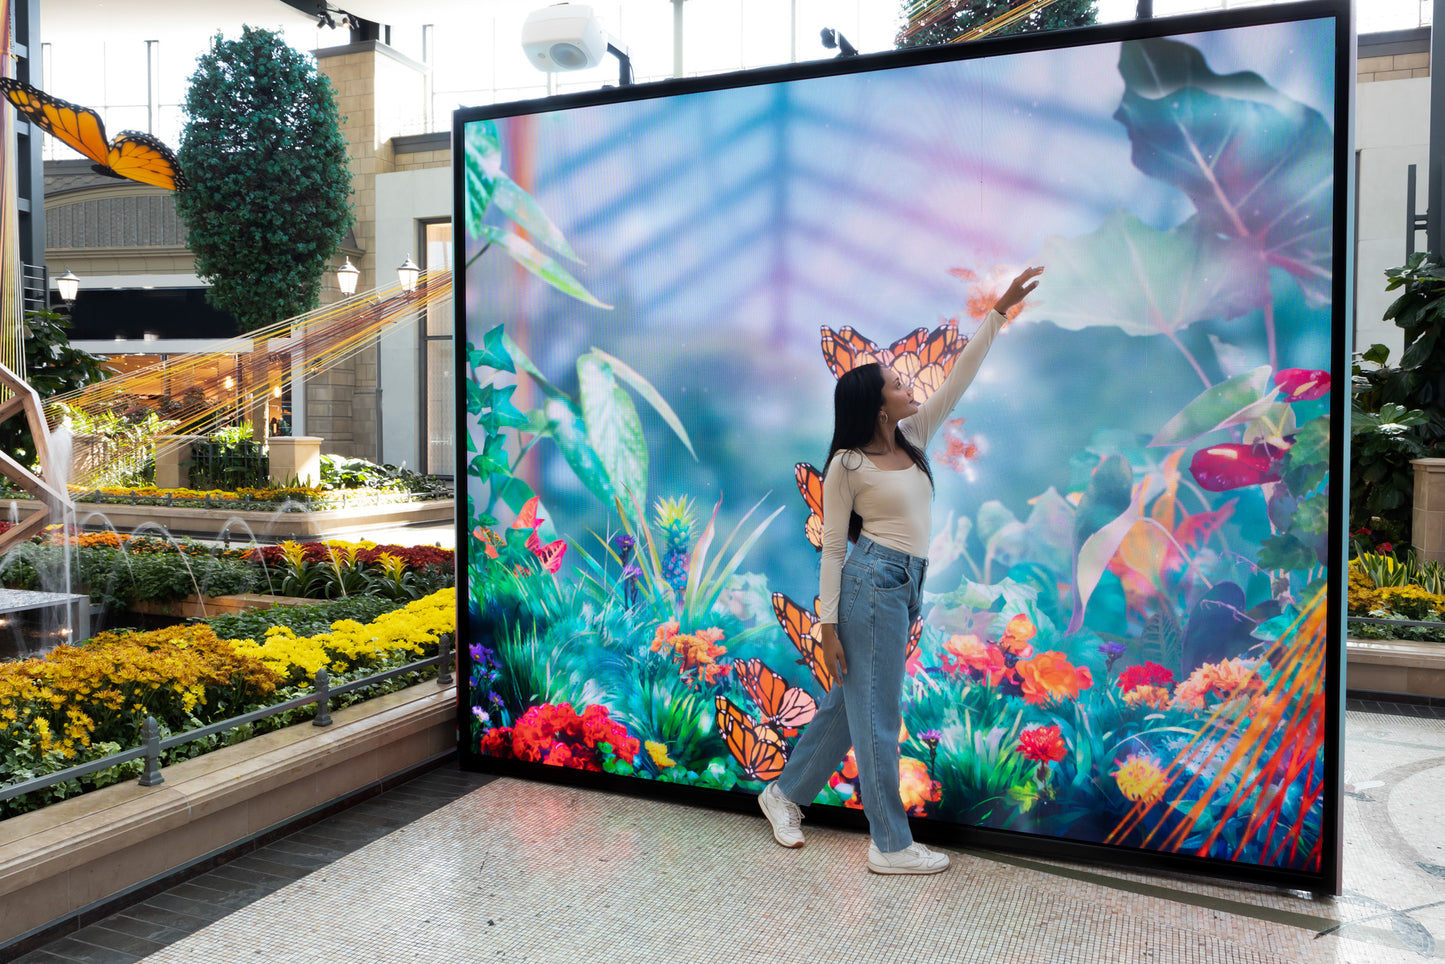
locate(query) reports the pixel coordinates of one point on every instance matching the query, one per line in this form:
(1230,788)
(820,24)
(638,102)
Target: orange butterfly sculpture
(799,625)
(921,358)
(757,746)
(783,706)
(133,154)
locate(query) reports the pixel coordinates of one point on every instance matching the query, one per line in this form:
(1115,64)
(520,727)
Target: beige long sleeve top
(895,505)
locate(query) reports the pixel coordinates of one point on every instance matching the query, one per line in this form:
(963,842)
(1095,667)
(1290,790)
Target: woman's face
(898,401)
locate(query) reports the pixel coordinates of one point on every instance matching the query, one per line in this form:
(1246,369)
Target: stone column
(296,457)
(1427,524)
(169,452)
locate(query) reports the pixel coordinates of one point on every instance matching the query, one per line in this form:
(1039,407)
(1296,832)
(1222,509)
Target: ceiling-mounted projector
(564,36)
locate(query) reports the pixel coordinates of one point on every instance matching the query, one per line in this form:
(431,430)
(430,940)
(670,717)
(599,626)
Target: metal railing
(152,745)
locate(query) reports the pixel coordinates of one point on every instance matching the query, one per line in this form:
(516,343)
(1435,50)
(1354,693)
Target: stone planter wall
(204,607)
(79,855)
(1397,666)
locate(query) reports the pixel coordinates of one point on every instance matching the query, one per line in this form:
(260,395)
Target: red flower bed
(415,557)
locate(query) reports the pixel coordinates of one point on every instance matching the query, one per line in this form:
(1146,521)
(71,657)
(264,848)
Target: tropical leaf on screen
(488,187)
(538,262)
(613,429)
(1149,282)
(1237,401)
(1258,166)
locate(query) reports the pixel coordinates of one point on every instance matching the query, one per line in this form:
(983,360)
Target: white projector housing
(564,36)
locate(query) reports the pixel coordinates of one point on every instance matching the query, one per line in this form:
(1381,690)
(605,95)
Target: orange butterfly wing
(759,748)
(810,486)
(141,157)
(798,623)
(77,127)
(789,707)
(915,637)
(845,350)
(904,352)
(133,155)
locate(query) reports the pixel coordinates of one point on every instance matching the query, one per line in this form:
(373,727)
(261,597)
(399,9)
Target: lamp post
(68,285)
(407,274)
(346,277)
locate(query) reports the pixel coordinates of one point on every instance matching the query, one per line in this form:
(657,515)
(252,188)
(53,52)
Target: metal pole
(153,86)
(677,38)
(1145,10)
(1435,210)
(794,34)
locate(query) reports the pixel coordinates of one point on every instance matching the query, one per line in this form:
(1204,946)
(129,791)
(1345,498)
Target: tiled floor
(454,867)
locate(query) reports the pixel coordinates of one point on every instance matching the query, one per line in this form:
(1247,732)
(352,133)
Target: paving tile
(78,952)
(202,910)
(509,870)
(42,956)
(143,928)
(104,936)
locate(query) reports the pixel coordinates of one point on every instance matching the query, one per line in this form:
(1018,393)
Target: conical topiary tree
(267,204)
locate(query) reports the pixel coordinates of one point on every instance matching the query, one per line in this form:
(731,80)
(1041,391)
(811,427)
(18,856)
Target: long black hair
(857,400)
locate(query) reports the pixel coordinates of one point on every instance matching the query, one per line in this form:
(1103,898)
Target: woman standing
(877,493)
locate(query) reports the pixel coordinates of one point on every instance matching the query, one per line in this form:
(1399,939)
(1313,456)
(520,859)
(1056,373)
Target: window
(438,400)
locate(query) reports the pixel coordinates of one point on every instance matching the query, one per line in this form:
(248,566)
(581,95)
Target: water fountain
(38,620)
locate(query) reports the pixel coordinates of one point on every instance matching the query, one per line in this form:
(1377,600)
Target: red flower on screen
(1145,674)
(1302,384)
(1044,744)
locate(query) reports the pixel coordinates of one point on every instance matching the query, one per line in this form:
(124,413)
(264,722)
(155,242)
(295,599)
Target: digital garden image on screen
(1129,635)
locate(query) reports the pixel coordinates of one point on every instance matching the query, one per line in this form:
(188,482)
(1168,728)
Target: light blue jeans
(880,596)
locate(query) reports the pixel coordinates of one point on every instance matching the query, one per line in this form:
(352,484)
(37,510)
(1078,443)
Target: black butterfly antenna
(833,39)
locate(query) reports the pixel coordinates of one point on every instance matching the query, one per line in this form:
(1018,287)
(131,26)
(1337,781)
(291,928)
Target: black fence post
(444,674)
(323,698)
(151,733)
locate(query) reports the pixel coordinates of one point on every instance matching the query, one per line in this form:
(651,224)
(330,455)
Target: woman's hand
(1018,289)
(833,657)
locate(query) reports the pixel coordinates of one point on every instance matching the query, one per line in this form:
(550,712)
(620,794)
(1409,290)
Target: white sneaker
(913,859)
(783,814)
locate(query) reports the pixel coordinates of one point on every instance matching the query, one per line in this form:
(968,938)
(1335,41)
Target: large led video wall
(1130,632)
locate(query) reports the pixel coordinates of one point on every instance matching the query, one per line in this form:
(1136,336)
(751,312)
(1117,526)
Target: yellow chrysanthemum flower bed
(79,703)
(410,629)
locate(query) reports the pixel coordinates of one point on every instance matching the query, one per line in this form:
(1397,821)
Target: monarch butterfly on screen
(132,155)
(783,706)
(798,623)
(758,747)
(921,358)
(810,485)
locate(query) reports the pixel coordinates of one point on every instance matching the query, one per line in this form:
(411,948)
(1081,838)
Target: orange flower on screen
(1016,637)
(968,652)
(662,634)
(1224,679)
(1140,779)
(1050,676)
(916,787)
(1156,697)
